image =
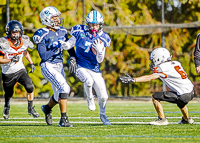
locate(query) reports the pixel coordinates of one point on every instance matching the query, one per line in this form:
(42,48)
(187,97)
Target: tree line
(128,53)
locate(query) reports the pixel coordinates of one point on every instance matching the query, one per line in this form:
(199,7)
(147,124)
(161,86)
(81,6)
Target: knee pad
(89,82)
(155,96)
(29,88)
(103,99)
(63,95)
(8,95)
(54,100)
(180,104)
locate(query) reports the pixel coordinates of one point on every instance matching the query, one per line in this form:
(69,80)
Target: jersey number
(181,72)
(87,44)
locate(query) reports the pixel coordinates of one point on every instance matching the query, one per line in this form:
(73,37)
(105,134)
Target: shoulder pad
(106,39)
(39,35)
(63,29)
(78,28)
(4,44)
(27,42)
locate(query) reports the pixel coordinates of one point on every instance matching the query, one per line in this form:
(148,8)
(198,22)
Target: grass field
(129,121)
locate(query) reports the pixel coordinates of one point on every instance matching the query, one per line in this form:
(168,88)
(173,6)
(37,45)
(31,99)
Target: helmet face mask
(159,56)
(94,17)
(47,14)
(13,27)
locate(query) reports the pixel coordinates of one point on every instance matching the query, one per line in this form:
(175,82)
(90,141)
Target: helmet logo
(47,13)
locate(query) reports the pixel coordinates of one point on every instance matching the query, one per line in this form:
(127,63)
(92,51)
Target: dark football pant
(9,80)
(172,97)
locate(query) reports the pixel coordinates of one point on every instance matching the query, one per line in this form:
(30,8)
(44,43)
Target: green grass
(96,132)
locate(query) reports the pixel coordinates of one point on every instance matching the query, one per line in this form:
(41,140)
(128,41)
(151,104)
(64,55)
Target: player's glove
(32,68)
(15,58)
(64,45)
(126,79)
(98,45)
(72,65)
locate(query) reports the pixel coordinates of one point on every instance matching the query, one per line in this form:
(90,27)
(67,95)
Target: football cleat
(104,119)
(48,117)
(64,122)
(6,112)
(188,121)
(91,104)
(31,111)
(160,121)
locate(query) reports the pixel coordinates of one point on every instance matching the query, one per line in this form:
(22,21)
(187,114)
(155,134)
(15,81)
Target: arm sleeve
(197,52)
(100,56)
(72,52)
(72,42)
(45,53)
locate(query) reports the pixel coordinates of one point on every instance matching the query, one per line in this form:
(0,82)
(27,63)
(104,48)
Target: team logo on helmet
(47,13)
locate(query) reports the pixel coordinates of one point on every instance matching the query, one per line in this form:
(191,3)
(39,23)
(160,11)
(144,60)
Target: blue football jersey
(48,45)
(84,55)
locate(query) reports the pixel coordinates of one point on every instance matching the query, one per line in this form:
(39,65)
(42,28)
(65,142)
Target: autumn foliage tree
(128,53)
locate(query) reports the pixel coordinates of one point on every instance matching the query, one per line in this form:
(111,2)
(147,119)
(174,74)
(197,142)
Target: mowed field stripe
(96,136)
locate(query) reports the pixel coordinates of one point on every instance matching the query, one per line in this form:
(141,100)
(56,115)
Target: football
(94,51)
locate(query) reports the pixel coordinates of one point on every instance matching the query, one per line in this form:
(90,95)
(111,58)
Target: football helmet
(94,17)
(158,56)
(14,26)
(47,13)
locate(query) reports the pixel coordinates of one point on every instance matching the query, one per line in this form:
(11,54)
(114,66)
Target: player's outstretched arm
(146,78)
(67,45)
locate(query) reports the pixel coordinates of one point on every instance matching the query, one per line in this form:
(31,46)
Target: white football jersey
(174,76)
(9,50)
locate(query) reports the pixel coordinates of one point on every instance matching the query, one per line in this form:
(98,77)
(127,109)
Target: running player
(91,42)
(12,49)
(174,76)
(50,50)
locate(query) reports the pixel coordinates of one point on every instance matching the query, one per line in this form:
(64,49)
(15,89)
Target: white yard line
(98,118)
(81,122)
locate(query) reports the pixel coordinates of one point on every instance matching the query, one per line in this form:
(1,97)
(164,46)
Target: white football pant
(54,73)
(92,79)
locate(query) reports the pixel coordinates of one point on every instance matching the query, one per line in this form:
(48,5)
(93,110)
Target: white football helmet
(47,13)
(94,17)
(159,55)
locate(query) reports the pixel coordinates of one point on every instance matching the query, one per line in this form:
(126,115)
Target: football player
(12,49)
(91,42)
(174,76)
(48,41)
(197,54)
